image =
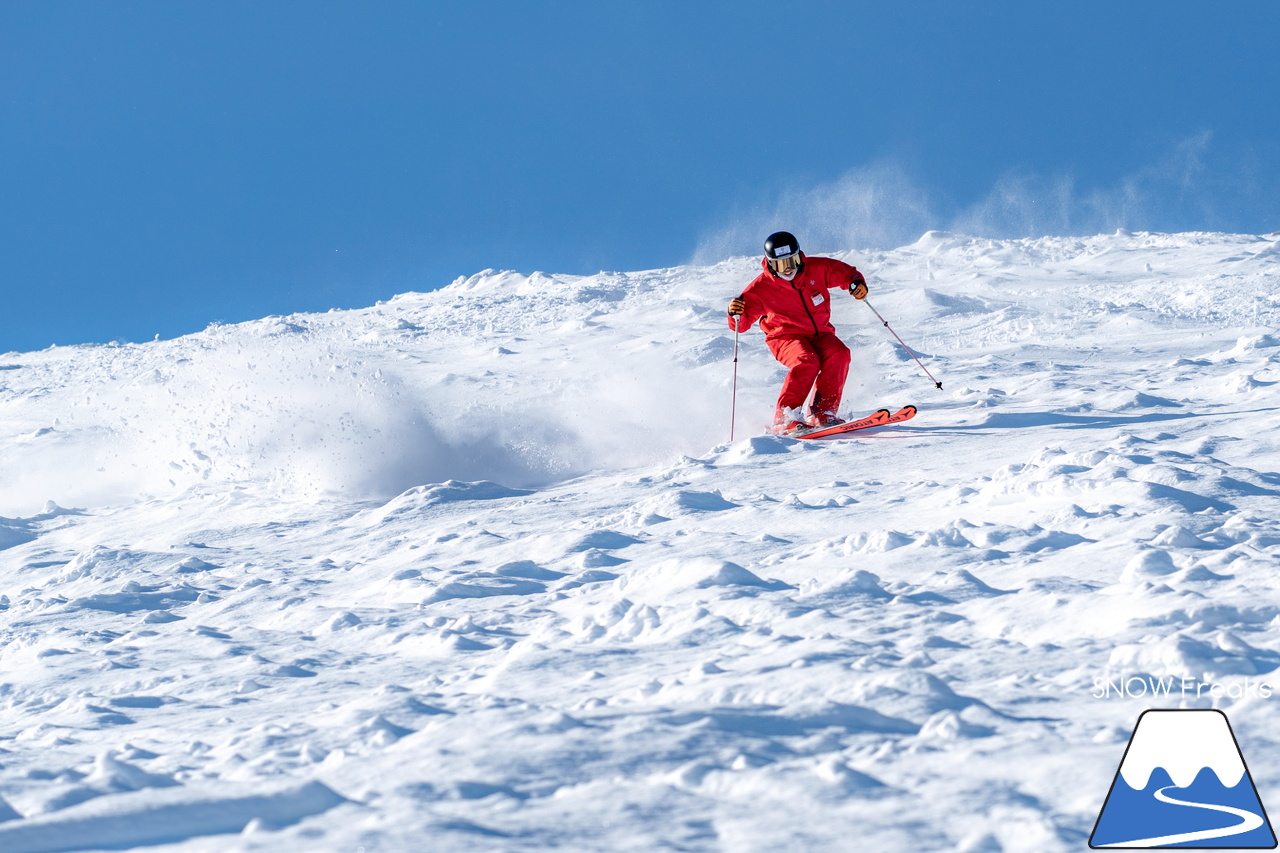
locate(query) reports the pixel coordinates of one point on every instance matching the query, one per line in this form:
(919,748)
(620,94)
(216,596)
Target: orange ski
(876,419)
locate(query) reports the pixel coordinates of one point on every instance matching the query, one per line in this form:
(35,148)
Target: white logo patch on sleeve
(818,298)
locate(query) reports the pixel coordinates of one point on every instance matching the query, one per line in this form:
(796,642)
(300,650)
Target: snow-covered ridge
(499,377)
(480,565)
(530,379)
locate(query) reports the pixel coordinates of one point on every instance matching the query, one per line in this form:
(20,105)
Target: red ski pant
(821,361)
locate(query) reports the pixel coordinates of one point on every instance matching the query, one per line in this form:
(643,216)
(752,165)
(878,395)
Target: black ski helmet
(782,245)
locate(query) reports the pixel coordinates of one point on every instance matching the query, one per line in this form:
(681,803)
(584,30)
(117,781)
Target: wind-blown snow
(478,569)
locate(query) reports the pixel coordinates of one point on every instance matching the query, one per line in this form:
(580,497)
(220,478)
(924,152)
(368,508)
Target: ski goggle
(782,266)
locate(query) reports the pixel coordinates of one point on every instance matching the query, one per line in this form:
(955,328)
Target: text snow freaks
(1148,687)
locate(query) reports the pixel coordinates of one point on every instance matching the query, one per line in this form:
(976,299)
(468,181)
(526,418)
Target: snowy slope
(479,570)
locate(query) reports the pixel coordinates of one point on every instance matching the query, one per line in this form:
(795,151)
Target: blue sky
(165,165)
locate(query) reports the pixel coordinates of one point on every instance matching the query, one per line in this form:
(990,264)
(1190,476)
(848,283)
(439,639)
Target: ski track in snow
(470,570)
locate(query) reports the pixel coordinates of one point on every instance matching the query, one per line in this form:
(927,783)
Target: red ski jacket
(799,308)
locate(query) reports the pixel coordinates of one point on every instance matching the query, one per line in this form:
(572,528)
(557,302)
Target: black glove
(737,306)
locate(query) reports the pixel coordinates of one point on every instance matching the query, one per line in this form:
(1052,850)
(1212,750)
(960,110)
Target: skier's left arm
(847,277)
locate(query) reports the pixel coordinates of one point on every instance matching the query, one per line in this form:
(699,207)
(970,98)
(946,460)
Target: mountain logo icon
(1182,783)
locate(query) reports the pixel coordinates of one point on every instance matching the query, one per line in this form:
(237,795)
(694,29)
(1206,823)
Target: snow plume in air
(877,206)
(881,206)
(263,402)
(515,379)
(1024,204)
(1021,204)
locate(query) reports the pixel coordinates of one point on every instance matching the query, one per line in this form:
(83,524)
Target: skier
(791,301)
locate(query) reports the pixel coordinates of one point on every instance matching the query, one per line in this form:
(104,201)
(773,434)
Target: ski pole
(733,406)
(904,346)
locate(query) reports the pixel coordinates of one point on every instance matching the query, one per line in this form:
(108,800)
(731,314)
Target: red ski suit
(795,317)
